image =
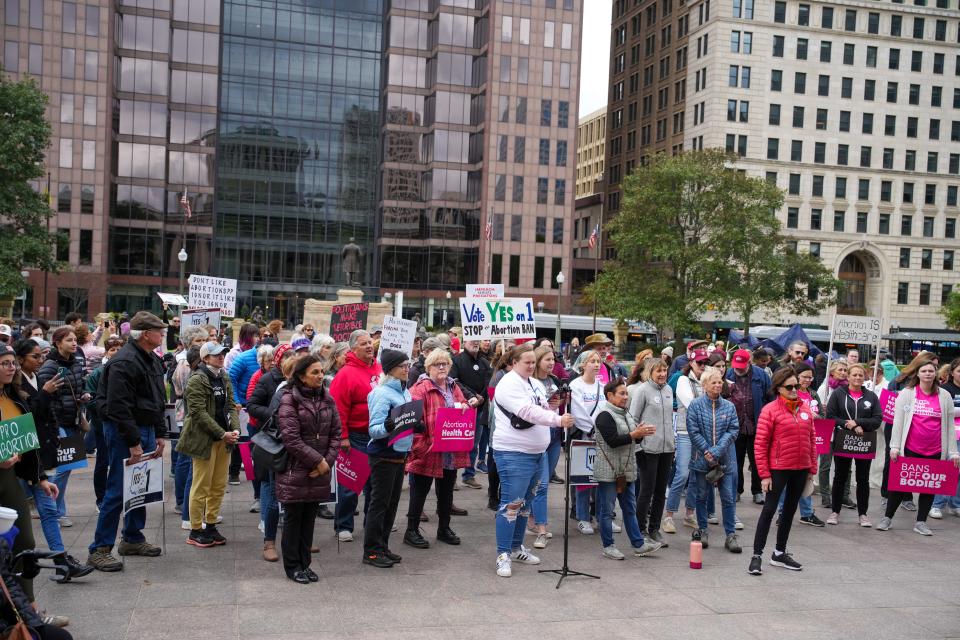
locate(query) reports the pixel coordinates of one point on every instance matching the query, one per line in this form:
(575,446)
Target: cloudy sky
(594,65)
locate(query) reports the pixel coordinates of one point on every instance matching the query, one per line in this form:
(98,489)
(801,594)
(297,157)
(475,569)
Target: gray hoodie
(652,403)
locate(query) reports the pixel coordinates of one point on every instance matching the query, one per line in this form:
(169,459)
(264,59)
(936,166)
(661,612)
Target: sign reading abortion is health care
(856,330)
(489,319)
(454,430)
(920,475)
(353,469)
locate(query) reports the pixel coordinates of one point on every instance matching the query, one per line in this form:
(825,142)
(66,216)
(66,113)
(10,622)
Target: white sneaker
(540,542)
(668,525)
(936,514)
(504,565)
(345,536)
(713,519)
(648,547)
(260,526)
(953,512)
(613,553)
(585,528)
(922,529)
(185,525)
(616,528)
(523,556)
(737,523)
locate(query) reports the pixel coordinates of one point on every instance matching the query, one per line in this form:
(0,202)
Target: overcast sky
(594,65)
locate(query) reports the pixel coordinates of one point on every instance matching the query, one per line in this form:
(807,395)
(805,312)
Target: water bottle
(696,551)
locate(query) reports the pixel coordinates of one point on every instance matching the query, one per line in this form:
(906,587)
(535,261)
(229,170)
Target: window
(778,46)
(780,12)
(848,53)
(521,111)
(558,231)
(561,153)
(910,160)
(774,118)
(793,215)
(68,63)
(862,221)
(883,227)
(846,88)
(544,155)
(776,80)
(11,54)
(92,22)
(819,152)
(66,153)
(506,29)
(540,236)
(887,158)
(892,92)
(815,252)
(504,109)
(546,115)
(863,189)
(924,293)
(872,57)
(843,154)
(906,224)
(894,59)
(886,190)
(903,292)
(734,42)
(838,220)
(865,156)
(823,85)
(932,162)
(514,280)
(912,127)
(524,30)
(845,121)
(86,247)
(543,186)
(794,188)
(773,148)
(896,25)
(869,89)
(817,190)
(519,149)
(826,17)
(800,83)
(559,191)
(516,228)
(950,228)
(927,227)
(796,151)
(64,195)
(563,113)
(538,267)
(825,51)
(798,117)
(801,48)
(816,219)
(873,22)
(945,291)
(914,94)
(89,157)
(867,127)
(87,194)
(916,61)
(918,25)
(904,257)
(500,188)
(850,20)
(518,188)
(908,193)
(948,260)
(803,15)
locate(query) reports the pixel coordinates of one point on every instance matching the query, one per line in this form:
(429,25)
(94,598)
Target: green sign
(18,435)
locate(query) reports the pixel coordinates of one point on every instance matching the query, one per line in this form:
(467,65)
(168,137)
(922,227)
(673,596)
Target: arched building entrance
(863,290)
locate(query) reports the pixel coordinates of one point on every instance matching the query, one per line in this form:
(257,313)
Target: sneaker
(393,557)
(849,504)
(481,467)
(656,536)
(260,527)
(922,529)
(909,505)
(185,525)
(255,506)
(138,549)
(936,514)
(646,549)
(215,535)
(786,561)
(377,560)
(177,509)
(585,528)
(55,621)
(758,498)
(234,479)
(345,536)
(504,565)
(523,556)
(541,541)
(68,568)
(833,518)
(325,513)
(615,527)
(811,520)
(613,553)
(826,503)
(472,483)
(756,566)
(713,519)
(954,511)
(668,525)
(415,539)
(737,523)
(883,503)
(884,524)
(555,479)
(733,544)
(65,522)
(199,538)
(690,520)
(865,522)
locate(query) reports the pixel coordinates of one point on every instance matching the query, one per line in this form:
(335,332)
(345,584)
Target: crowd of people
(695,428)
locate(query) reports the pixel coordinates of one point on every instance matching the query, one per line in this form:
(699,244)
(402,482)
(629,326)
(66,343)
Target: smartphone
(62,372)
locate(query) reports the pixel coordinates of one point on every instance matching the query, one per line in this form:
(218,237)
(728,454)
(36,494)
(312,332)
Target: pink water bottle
(696,552)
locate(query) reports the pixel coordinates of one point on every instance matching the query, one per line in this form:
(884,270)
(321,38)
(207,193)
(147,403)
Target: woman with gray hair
(321,345)
(338,358)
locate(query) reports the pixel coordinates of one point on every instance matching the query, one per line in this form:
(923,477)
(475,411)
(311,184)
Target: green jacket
(200,428)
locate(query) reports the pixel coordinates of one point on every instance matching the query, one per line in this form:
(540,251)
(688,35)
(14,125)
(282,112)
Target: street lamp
(560,280)
(448,319)
(23,299)
(182,257)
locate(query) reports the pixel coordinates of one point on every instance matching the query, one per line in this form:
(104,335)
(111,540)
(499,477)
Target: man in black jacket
(472,371)
(132,400)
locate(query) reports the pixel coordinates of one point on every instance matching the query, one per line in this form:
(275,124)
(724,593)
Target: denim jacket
(701,415)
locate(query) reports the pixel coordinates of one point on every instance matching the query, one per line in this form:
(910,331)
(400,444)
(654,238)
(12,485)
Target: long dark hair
(300,367)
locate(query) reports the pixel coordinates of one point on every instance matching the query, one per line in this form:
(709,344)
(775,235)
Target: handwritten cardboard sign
(454,430)
(921,475)
(347,318)
(215,293)
(18,435)
(398,334)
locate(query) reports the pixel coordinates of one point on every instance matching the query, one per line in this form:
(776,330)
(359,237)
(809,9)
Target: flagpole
(596,263)
(488,237)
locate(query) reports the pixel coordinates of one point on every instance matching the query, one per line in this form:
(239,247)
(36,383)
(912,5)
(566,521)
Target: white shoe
(345,536)
(936,514)
(504,565)
(668,525)
(616,528)
(65,522)
(713,519)
(185,525)
(737,523)
(613,553)
(540,542)
(260,526)
(585,528)
(523,556)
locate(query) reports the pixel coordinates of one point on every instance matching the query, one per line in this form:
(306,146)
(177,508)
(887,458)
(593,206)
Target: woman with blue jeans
(520,441)
(713,427)
(545,360)
(615,469)
(688,389)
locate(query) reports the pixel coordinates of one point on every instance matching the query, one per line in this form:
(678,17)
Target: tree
(951,311)
(24,138)
(694,233)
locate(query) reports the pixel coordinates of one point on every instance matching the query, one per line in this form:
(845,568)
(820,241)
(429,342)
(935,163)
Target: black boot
(413,538)
(447,535)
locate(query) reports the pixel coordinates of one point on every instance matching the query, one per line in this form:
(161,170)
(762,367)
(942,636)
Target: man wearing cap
(132,399)
(6,334)
(749,387)
(600,343)
(681,361)
(210,430)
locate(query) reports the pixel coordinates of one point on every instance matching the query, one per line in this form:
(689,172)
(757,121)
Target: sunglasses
(790,387)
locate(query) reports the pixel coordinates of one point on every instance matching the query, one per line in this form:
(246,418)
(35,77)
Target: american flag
(488,231)
(594,236)
(185,203)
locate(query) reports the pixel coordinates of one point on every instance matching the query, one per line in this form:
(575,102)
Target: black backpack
(268,451)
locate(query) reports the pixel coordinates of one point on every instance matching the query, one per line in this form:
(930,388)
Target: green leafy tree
(693,234)
(951,311)
(24,138)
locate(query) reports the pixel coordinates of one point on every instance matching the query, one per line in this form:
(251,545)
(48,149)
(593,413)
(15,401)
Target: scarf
(834,383)
(792,405)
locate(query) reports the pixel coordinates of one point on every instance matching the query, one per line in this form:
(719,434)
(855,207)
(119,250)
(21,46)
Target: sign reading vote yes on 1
(856,330)
(215,293)
(142,482)
(398,334)
(489,319)
(200,317)
(583,454)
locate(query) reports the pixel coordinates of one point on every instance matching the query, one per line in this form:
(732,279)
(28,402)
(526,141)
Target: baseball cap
(700,355)
(5,330)
(741,359)
(211,349)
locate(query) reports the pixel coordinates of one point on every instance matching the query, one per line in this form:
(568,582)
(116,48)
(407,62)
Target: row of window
(65,198)
(816,223)
(523,32)
(513,273)
(543,186)
(903,293)
(516,229)
(86,23)
(846,85)
(742,42)
(68,60)
(523,72)
(520,146)
(85,249)
(926,258)
(866,156)
(88,157)
(851,21)
(546,112)
(907,193)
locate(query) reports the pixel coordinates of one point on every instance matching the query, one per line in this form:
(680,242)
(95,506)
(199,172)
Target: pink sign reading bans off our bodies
(454,430)
(353,469)
(823,432)
(888,400)
(920,475)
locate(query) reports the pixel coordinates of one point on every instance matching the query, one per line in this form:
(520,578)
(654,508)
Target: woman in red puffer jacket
(786,460)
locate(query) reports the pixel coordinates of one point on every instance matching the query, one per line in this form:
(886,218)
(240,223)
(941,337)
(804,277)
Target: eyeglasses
(790,387)
(267,335)
(8,364)
(440,365)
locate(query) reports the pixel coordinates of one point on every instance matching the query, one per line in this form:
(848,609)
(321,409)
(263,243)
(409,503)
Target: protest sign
(247,458)
(583,454)
(18,435)
(454,430)
(199,318)
(398,334)
(404,417)
(170,421)
(215,293)
(142,482)
(347,318)
(71,453)
(353,469)
(484,290)
(489,319)
(856,330)
(888,402)
(847,444)
(172,299)
(922,475)
(823,432)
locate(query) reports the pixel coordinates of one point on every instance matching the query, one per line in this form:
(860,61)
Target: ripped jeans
(519,479)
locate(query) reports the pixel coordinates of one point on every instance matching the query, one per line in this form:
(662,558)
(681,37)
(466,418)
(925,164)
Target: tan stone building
(591,143)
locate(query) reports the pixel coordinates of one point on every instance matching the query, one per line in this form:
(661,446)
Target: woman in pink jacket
(786,460)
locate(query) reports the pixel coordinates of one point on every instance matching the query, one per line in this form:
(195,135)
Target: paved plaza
(856,583)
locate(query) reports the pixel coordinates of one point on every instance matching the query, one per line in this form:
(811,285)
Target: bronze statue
(351,256)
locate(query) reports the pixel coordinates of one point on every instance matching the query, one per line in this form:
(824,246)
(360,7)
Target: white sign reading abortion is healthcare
(217,293)
(489,319)
(856,330)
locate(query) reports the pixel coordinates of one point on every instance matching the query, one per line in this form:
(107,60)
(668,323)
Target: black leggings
(653,473)
(924,502)
(299,519)
(842,470)
(420,488)
(792,481)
